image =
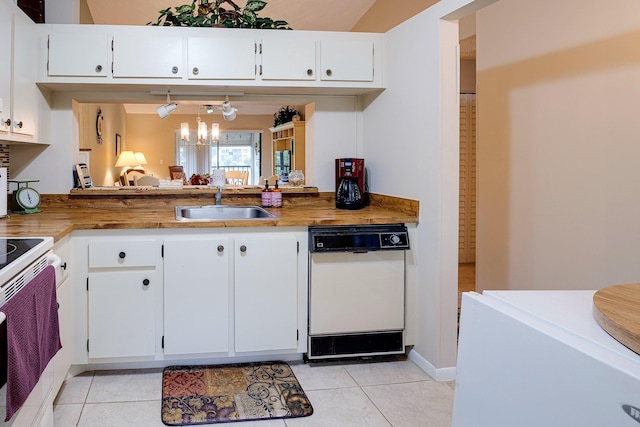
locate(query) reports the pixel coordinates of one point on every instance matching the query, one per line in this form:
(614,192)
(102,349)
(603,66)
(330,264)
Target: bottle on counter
(266,195)
(276,197)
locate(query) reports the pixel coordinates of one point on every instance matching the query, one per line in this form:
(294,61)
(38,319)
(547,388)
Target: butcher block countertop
(63,213)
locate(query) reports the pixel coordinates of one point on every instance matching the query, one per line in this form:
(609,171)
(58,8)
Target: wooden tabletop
(617,311)
(61,214)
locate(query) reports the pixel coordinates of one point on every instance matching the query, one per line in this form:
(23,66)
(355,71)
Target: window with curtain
(232,151)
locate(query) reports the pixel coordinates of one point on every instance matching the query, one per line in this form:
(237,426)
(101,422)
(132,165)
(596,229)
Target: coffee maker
(350,189)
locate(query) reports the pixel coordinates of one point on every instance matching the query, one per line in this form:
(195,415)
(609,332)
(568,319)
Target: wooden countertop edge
(63,214)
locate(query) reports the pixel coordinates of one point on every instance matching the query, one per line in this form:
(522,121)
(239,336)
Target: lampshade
(127,158)
(141,159)
(184,131)
(215,131)
(202,130)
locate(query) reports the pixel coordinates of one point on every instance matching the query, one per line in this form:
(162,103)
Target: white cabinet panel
(196,296)
(25,91)
(266,293)
(147,56)
(284,60)
(62,359)
(122,313)
(78,50)
(229,57)
(346,60)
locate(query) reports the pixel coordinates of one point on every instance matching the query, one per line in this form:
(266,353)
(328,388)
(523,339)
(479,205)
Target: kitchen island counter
(61,214)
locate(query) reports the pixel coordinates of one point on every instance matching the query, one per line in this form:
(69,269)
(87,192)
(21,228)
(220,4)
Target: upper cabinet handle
(98,68)
(195,71)
(121,255)
(243,249)
(220,248)
(309,72)
(174,70)
(329,72)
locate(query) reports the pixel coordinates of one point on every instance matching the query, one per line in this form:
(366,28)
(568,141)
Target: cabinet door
(196,296)
(122,313)
(25,91)
(5,66)
(287,60)
(265,293)
(78,50)
(346,60)
(147,56)
(222,58)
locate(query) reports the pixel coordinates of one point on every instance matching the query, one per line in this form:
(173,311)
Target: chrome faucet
(219,196)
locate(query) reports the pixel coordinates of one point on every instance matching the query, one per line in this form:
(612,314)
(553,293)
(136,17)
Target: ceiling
(325,15)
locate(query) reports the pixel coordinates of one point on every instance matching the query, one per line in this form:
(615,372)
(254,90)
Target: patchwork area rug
(193,395)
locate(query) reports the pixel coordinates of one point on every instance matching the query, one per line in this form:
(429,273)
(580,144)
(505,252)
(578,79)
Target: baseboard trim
(438,374)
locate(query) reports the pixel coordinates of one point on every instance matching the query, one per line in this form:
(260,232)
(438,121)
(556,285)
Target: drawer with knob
(122,253)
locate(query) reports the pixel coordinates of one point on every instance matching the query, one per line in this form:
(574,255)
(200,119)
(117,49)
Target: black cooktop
(12,249)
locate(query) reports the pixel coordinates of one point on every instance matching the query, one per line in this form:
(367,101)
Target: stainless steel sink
(221,213)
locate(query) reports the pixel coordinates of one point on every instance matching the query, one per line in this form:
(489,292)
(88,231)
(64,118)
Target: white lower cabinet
(266,293)
(196,296)
(190,293)
(124,287)
(121,314)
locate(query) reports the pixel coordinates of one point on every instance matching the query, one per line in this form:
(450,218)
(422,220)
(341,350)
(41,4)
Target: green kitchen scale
(25,199)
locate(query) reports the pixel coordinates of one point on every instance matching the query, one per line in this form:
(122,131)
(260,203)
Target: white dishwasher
(356,290)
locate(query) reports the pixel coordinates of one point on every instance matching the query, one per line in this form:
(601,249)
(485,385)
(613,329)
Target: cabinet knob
(174,70)
(196,70)
(121,255)
(309,72)
(19,124)
(220,248)
(329,72)
(145,282)
(98,68)
(243,249)
(7,122)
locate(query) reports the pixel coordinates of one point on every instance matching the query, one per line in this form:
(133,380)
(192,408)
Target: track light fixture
(165,110)
(228,112)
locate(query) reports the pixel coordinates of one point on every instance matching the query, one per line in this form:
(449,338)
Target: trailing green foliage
(213,14)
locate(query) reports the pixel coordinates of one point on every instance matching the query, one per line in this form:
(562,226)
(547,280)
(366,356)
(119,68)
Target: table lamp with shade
(130,162)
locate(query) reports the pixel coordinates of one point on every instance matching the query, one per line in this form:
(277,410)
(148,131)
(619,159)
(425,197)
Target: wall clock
(99,120)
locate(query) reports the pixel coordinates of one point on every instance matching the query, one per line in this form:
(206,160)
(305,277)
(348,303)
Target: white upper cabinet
(25,91)
(147,56)
(346,60)
(78,50)
(230,57)
(284,60)
(197,58)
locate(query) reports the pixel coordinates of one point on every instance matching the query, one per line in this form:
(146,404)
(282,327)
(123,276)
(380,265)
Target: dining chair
(237,177)
(177,172)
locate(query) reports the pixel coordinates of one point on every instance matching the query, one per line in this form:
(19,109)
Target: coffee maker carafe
(350,191)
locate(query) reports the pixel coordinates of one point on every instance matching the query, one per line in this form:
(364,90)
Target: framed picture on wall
(118,144)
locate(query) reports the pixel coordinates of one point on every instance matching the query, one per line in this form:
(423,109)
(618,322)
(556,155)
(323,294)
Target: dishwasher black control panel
(360,238)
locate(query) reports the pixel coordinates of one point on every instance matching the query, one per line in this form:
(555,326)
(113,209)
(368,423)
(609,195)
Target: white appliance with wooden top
(539,358)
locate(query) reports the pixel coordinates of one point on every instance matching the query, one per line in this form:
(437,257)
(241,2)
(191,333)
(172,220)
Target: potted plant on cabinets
(213,14)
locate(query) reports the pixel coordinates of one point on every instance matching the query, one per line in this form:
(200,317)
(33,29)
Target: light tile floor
(358,394)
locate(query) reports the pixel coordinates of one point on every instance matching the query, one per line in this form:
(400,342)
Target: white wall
(411,142)
(558,144)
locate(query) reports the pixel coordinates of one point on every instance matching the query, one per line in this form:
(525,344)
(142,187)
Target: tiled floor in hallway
(354,394)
